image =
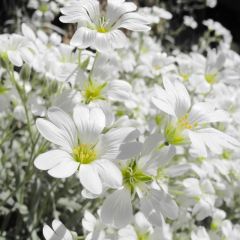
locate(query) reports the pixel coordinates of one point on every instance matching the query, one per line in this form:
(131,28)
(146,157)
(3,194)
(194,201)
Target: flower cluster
(151,138)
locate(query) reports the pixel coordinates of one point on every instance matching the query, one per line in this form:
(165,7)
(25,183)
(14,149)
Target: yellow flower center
(102,29)
(93,91)
(185,76)
(183,122)
(84,154)
(102,25)
(211,78)
(143,236)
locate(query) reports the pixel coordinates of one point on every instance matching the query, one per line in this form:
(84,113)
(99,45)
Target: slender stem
(23,97)
(80,238)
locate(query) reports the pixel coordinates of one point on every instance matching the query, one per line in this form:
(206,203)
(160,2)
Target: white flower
(211,3)
(117,90)
(83,147)
(188,121)
(101,30)
(156,64)
(44,10)
(104,83)
(94,226)
(61,62)
(140,229)
(219,30)
(155,14)
(200,234)
(209,71)
(138,177)
(229,230)
(162,13)
(203,195)
(190,22)
(16,48)
(58,231)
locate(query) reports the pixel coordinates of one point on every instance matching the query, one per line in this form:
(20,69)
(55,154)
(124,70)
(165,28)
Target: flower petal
(129,150)
(115,9)
(49,234)
(61,230)
(89,178)
(51,159)
(119,90)
(15,58)
(90,123)
(150,143)
(63,121)
(133,22)
(117,209)
(109,143)
(102,43)
(64,169)
(83,37)
(52,133)
(109,173)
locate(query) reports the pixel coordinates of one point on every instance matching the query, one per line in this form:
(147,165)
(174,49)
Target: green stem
(80,238)
(23,97)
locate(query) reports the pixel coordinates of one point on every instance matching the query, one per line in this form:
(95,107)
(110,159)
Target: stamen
(84,154)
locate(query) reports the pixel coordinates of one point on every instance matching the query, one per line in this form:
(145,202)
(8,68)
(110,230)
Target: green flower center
(174,132)
(174,135)
(84,154)
(158,119)
(93,91)
(214,225)
(102,26)
(132,176)
(143,236)
(161,174)
(43,7)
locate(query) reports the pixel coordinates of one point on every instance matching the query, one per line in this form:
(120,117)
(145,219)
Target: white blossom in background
(101,30)
(200,234)
(211,3)
(93,226)
(190,22)
(219,30)
(44,9)
(186,121)
(16,48)
(155,14)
